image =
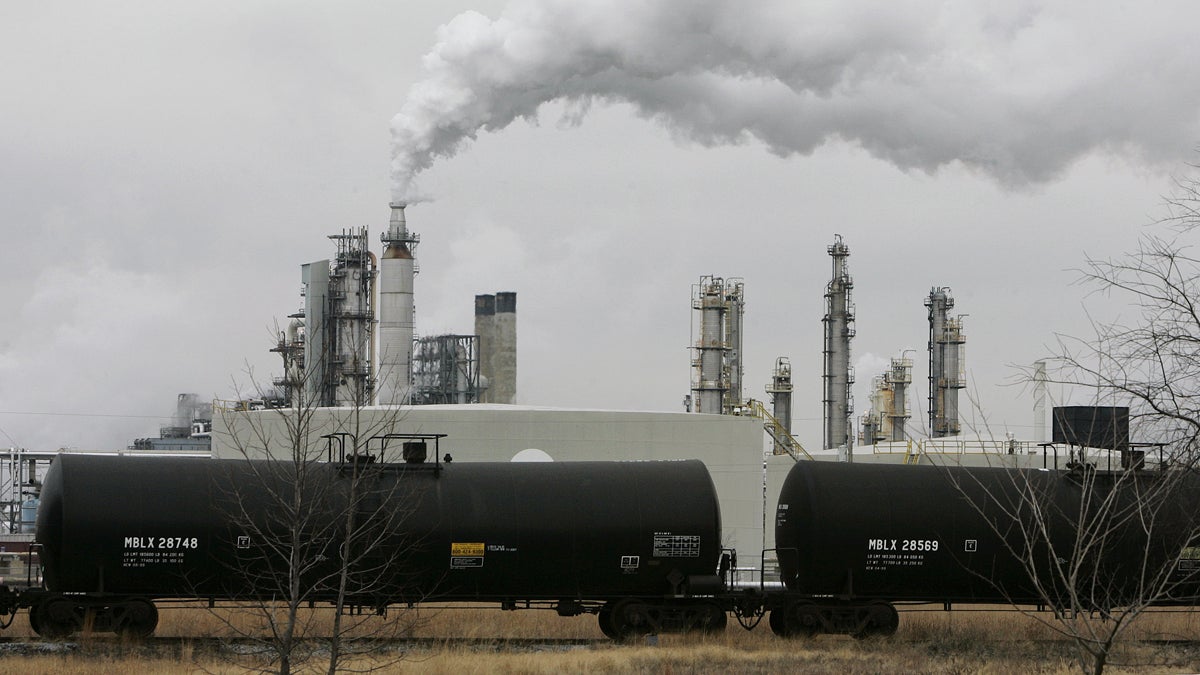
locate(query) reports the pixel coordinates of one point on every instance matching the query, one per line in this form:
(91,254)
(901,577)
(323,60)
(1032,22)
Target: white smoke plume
(1016,89)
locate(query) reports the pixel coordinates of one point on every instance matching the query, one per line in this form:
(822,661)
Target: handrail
(777,432)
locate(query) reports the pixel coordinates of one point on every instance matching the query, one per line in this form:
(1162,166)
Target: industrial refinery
(356,346)
(333,356)
(465,384)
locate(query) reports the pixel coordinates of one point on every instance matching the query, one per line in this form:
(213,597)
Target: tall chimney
(504,352)
(485,328)
(396,272)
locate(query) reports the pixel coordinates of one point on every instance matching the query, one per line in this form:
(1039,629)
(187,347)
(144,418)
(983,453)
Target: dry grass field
(930,641)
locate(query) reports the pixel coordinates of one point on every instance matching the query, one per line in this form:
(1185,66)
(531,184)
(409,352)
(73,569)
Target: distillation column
(871,424)
(396,310)
(717,368)
(839,330)
(889,413)
(712,383)
(780,390)
(735,304)
(898,377)
(945,363)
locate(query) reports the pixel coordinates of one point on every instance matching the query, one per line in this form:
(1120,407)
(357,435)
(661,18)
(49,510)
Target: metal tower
(889,412)
(338,331)
(717,367)
(352,316)
(735,301)
(291,348)
(946,362)
(898,377)
(839,330)
(780,390)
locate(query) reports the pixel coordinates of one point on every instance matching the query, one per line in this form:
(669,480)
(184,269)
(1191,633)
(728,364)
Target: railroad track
(176,645)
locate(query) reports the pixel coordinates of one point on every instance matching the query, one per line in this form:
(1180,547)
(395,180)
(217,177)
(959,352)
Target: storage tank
(172,527)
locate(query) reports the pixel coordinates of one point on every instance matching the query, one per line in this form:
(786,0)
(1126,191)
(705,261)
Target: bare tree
(1100,543)
(321,511)
(1098,547)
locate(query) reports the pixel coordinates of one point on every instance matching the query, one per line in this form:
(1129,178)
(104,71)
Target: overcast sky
(165,169)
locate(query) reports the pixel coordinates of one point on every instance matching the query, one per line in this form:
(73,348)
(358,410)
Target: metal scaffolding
(446,370)
(331,352)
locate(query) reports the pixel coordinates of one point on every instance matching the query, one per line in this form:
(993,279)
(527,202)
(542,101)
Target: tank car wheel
(777,620)
(35,621)
(804,620)
(881,620)
(137,618)
(55,618)
(605,619)
(799,619)
(710,619)
(630,619)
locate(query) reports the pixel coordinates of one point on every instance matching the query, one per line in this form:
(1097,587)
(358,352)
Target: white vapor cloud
(1016,90)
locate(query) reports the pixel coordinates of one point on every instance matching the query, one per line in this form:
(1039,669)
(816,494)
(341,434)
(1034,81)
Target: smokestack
(396,272)
(485,328)
(503,387)
(1039,401)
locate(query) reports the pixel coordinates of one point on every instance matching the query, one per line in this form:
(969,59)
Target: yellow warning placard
(466,549)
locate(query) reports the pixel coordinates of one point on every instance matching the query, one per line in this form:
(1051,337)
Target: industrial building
(731,446)
(354,341)
(189,429)
(339,324)
(446,370)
